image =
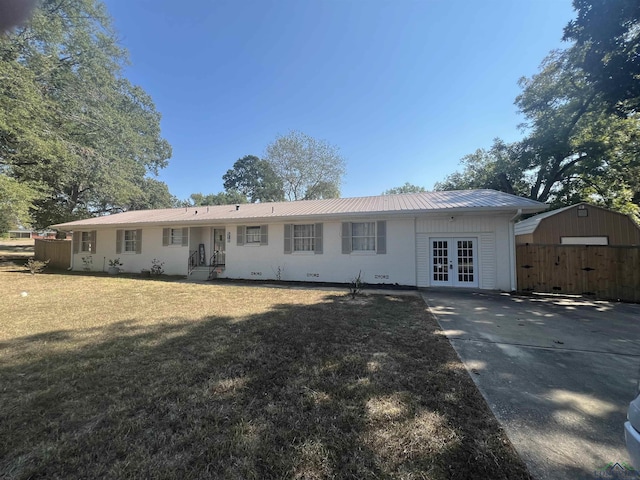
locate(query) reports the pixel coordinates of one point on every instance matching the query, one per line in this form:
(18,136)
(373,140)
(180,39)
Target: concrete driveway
(557,372)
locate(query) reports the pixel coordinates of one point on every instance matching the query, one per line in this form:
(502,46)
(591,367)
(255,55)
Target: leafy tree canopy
(406,188)
(15,201)
(222,198)
(575,149)
(607,32)
(255,179)
(308,168)
(69,120)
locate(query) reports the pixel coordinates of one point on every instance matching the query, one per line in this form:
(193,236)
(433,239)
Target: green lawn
(132,378)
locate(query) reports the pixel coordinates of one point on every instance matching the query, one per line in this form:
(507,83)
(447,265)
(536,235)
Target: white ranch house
(454,238)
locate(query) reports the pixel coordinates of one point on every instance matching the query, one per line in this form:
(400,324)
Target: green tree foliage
(255,179)
(153,194)
(15,201)
(69,119)
(574,149)
(309,168)
(222,198)
(406,188)
(607,32)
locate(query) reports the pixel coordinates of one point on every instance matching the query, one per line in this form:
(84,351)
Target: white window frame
(303,243)
(130,242)
(369,238)
(85,242)
(253,235)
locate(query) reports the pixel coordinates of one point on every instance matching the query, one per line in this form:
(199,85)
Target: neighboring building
(454,238)
(23,233)
(580,224)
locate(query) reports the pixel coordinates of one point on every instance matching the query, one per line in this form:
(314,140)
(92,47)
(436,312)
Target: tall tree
(575,148)
(406,188)
(222,198)
(309,168)
(255,179)
(15,201)
(69,119)
(607,32)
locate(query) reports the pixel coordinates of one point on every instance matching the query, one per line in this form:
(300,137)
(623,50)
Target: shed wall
(619,228)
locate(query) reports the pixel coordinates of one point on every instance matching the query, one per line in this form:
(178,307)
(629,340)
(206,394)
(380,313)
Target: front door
(218,246)
(454,262)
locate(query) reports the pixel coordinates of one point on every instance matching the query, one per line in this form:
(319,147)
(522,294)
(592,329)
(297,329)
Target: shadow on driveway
(557,372)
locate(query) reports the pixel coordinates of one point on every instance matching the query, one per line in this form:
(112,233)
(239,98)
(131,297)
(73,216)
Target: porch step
(199,273)
(202,273)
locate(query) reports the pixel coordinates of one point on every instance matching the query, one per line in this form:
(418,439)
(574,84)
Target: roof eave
(323,216)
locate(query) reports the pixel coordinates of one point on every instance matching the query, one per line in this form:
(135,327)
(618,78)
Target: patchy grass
(124,378)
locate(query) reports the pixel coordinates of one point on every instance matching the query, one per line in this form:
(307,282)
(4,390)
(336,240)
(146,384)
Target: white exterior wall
(492,232)
(262,261)
(405,263)
(174,257)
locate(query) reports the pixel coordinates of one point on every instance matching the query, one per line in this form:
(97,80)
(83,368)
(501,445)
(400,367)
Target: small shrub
(115,262)
(36,266)
(156,267)
(356,285)
(87,263)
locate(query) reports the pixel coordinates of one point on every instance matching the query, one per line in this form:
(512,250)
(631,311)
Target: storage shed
(581,249)
(580,224)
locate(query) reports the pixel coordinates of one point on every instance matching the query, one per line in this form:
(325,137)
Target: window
(175,236)
(363,236)
(130,241)
(304,238)
(584,240)
(369,237)
(85,242)
(253,235)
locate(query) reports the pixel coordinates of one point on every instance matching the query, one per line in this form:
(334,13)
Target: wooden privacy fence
(58,252)
(608,272)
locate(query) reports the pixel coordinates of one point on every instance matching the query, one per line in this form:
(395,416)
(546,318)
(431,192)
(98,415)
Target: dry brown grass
(125,378)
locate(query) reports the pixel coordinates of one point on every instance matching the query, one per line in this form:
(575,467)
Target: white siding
(488,260)
(492,233)
(263,261)
(174,257)
(405,263)
(422,259)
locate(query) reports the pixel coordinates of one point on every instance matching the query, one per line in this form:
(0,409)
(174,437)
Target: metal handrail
(192,262)
(216,260)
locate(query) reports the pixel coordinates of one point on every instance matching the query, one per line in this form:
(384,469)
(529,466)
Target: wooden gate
(607,272)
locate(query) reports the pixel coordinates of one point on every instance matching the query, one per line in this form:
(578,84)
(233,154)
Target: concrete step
(199,273)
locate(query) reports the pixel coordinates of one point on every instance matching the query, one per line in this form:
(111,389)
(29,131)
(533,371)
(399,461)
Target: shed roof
(414,203)
(529,225)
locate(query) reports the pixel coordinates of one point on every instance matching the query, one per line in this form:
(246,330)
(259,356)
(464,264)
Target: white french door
(454,262)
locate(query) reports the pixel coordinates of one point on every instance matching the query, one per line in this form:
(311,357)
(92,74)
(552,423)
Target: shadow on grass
(336,389)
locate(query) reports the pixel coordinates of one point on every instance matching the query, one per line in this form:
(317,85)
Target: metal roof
(530,224)
(413,203)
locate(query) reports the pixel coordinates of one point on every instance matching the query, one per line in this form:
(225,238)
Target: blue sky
(403,88)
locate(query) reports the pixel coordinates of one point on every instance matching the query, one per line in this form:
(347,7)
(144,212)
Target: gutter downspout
(512,250)
(71,266)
